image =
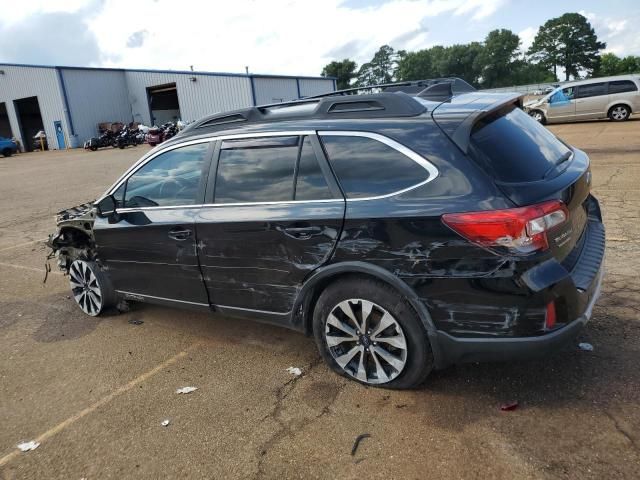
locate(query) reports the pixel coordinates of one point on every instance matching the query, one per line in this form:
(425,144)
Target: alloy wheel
(537,116)
(85,288)
(619,113)
(366,341)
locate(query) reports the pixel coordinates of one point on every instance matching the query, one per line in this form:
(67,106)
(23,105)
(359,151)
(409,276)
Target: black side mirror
(106,207)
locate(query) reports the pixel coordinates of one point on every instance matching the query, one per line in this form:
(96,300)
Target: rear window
(368,168)
(514,148)
(592,90)
(621,86)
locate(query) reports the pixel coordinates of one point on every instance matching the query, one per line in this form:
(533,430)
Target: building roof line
(177,72)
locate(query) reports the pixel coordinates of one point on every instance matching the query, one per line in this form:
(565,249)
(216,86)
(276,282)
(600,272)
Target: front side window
(562,96)
(256,170)
(366,167)
(621,86)
(170,179)
(592,90)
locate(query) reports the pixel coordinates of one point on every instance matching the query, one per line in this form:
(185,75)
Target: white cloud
(481,8)
(620,33)
(526,36)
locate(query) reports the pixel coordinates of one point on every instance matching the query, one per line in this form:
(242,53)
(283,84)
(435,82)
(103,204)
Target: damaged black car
(420,225)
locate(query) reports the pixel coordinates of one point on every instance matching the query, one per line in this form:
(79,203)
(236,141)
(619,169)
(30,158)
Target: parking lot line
(22,244)
(104,400)
(33,269)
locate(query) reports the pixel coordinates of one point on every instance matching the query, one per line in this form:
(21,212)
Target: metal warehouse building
(69,102)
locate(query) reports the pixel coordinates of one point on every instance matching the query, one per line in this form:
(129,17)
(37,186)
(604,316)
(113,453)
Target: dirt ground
(93,392)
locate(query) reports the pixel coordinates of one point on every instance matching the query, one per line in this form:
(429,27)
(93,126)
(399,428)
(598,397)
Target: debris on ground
(186,389)
(135,321)
(165,423)
(294,371)
(587,347)
(359,438)
(508,407)
(27,446)
(123,306)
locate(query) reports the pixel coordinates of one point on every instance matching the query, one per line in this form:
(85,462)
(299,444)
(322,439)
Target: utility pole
(246,69)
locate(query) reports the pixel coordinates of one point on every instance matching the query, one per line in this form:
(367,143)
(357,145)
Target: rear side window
(311,183)
(170,179)
(621,86)
(591,90)
(256,170)
(366,167)
(513,148)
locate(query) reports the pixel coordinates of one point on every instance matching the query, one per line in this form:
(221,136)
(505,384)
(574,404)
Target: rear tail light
(550,318)
(522,230)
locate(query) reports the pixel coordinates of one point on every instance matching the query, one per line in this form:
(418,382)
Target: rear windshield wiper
(564,158)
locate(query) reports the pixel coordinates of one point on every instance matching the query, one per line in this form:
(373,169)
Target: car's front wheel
(90,287)
(537,115)
(367,331)
(7,152)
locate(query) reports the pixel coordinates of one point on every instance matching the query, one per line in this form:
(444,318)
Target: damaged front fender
(74,237)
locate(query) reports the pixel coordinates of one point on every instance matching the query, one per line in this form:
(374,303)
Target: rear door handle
(302,232)
(179,233)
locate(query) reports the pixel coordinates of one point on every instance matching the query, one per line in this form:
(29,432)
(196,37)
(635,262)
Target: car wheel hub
(366,341)
(85,288)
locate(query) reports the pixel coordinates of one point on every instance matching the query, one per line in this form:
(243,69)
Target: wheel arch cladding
(315,285)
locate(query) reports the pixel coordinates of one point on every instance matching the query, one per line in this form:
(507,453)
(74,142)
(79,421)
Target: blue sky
(278,36)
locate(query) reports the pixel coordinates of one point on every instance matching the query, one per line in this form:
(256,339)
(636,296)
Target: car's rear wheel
(7,152)
(619,113)
(365,330)
(90,287)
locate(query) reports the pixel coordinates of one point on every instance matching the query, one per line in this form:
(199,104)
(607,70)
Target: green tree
(496,60)
(382,68)
(609,65)
(416,66)
(568,41)
(344,71)
(456,60)
(630,64)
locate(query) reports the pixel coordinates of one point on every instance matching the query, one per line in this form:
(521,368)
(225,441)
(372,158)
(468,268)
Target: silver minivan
(607,97)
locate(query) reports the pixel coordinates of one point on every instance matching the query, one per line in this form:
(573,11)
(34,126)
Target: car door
(561,105)
(591,100)
(274,217)
(149,246)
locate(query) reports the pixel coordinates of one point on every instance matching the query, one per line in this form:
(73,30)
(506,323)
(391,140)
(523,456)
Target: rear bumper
(463,350)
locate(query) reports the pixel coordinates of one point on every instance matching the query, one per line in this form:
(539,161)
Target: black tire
(419,357)
(619,113)
(93,148)
(538,116)
(7,152)
(80,270)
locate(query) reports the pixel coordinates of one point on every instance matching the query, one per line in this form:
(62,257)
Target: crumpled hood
(83,211)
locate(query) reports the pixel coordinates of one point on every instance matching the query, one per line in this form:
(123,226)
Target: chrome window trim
(428,166)
(407,152)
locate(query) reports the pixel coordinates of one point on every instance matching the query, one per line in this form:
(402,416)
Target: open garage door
(5,126)
(163,104)
(29,121)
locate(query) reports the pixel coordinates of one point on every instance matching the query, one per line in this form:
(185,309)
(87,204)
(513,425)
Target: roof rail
(412,87)
(379,105)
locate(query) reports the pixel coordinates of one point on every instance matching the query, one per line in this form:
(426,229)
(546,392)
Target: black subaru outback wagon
(405,230)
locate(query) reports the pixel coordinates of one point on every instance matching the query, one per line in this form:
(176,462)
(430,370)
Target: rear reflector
(522,230)
(550,319)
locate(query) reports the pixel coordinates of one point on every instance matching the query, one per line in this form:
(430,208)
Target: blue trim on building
(253,91)
(65,99)
(298,87)
(176,72)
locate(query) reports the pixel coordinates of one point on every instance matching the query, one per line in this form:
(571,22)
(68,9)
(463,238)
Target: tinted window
(620,86)
(367,168)
(513,147)
(256,170)
(591,90)
(118,195)
(311,183)
(171,178)
(563,95)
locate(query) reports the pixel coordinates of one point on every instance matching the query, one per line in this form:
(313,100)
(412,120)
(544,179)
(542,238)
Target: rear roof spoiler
(457,117)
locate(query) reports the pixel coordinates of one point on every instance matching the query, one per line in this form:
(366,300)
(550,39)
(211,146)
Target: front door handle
(179,233)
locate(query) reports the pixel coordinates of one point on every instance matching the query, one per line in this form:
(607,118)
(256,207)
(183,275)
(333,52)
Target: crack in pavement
(622,431)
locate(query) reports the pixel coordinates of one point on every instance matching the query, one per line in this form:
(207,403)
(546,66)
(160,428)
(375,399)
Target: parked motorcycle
(127,136)
(157,135)
(106,139)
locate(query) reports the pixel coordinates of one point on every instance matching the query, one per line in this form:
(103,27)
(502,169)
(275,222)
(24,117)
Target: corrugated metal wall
(23,82)
(208,94)
(274,90)
(313,86)
(95,96)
